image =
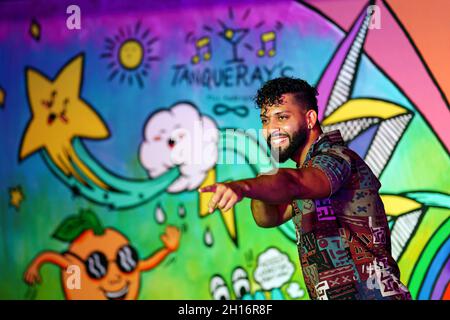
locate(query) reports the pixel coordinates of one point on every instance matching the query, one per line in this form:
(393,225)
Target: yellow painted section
(228,217)
(364,108)
(397,205)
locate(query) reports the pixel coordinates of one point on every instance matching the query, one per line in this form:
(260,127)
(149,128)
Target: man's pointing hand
(226,195)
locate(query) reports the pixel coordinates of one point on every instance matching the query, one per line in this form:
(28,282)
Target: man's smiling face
(284,127)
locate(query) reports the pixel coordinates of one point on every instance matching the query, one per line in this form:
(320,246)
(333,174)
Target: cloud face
(180,136)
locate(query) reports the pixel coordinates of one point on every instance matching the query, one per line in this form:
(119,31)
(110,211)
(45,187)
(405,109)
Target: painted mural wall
(95,99)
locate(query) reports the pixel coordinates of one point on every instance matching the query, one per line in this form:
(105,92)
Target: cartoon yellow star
(16,197)
(59,115)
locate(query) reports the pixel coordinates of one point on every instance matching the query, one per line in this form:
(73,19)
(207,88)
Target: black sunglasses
(96,263)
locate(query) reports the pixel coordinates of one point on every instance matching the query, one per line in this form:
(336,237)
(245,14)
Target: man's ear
(311,118)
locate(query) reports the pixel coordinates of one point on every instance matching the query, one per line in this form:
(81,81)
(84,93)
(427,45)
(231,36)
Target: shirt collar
(325,139)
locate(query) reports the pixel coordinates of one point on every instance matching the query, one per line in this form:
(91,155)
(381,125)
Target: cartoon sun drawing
(130,54)
(110,267)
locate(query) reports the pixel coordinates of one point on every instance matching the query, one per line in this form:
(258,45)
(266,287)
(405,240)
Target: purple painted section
(43,8)
(442,282)
(362,142)
(331,73)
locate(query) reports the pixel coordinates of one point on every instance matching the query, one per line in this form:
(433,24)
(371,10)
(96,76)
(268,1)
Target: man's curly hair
(270,93)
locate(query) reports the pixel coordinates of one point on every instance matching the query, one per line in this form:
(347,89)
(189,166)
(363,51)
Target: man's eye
(264,121)
(282,117)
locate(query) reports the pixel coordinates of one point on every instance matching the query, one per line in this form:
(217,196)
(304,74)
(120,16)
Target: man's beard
(297,139)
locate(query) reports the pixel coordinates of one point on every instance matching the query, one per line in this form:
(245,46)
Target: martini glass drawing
(234,37)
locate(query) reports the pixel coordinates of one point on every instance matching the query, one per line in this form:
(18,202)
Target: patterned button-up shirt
(344,240)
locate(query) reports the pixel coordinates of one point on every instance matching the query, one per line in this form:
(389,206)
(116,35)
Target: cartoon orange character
(109,266)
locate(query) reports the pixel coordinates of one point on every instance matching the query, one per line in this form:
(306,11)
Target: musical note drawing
(203,49)
(268,44)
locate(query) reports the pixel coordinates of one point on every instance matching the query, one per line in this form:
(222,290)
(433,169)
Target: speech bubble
(274,269)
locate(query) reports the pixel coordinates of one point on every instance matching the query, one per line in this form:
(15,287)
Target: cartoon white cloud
(295,291)
(180,136)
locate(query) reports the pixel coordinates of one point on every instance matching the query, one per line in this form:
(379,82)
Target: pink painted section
(390,49)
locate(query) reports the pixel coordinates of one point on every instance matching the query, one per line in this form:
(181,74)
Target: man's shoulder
(336,150)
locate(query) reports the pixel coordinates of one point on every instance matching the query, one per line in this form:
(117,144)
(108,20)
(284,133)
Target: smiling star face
(59,114)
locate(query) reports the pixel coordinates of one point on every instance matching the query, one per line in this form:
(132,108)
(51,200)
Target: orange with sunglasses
(109,265)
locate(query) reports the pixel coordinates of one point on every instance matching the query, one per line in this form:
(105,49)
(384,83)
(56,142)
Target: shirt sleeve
(335,164)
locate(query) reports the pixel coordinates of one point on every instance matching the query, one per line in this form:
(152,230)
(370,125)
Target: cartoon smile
(117,295)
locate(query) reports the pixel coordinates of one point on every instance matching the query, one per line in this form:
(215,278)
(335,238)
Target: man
(342,232)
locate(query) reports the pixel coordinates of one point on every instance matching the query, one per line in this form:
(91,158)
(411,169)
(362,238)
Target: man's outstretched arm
(276,189)
(287,185)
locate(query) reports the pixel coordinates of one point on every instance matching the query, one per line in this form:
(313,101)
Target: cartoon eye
(96,265)
(178,134)
(127,259)
(241,284)
(219,290)
(51,117)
